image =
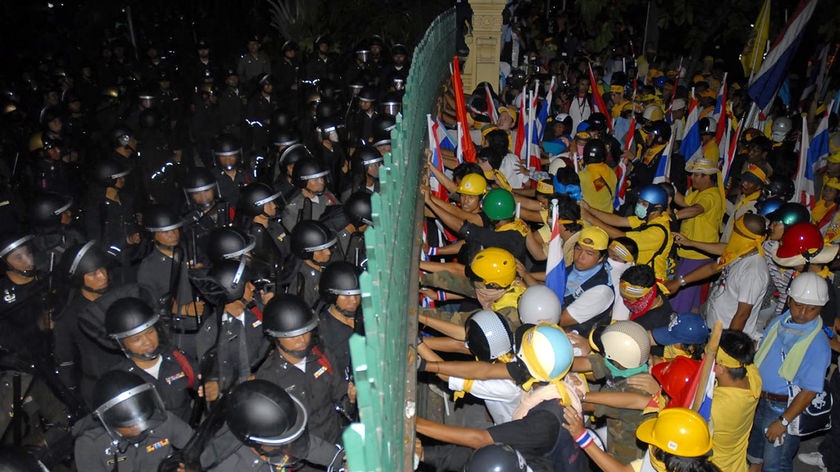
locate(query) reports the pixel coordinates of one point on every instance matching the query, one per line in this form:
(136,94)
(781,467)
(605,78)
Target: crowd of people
(183,237)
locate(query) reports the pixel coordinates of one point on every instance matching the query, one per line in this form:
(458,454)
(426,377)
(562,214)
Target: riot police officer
(364,171)
(310,242)
(130,430)
(341,315)
(260,209)
(134,326)
(349,223)
(229,174)
(206,211)
(265,425)
(110,214)
(50,218)
(164,272)
(286,161)
(302,365)
(312,198)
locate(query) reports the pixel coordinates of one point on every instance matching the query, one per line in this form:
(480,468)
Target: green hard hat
(499,204)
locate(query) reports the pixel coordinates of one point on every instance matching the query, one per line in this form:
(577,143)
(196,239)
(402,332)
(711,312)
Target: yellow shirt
(711,151)
(649,239)
(597,185)
(706,226)
(732,416)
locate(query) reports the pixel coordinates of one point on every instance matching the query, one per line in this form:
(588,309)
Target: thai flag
(491,105)
(705,407)
(520,124)
(438,189)
(811,153)
(555,266)
(765,84)
(730,141)
(692,147)
(597,100)
(663,170)
(621,175)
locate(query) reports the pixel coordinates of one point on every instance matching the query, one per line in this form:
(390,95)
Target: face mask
(640,211)
(617,373)
(617,265)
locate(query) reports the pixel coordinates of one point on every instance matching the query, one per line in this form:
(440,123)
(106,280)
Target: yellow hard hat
(473,184)
(495,267)
(678,431)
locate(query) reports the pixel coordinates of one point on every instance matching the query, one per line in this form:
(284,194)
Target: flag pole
(708,363)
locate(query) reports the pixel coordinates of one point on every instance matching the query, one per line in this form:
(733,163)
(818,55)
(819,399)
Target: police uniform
(321,386)
(271,251)
(202,223)
(176,378)
(300,208)
(229,188)
(22,308)
(111,222)
(360,126)
(231,111)
(94,450)
(235,356)
(250,66)
(227,454)
(336,335)
(305,283)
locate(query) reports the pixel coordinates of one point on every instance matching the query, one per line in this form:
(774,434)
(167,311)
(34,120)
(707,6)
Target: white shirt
(743,281)
(501,396)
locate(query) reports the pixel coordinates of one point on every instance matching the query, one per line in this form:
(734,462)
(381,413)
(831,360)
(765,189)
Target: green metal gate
(382,364)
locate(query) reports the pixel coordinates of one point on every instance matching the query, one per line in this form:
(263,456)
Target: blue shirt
(811,373)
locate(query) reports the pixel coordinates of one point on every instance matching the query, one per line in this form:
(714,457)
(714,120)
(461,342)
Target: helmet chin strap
(345,313)
(145,357)
(24,273)
(165,247)
(100,291)
(299,354)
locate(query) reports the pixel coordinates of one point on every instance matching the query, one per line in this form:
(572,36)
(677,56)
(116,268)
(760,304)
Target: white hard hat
(809,289)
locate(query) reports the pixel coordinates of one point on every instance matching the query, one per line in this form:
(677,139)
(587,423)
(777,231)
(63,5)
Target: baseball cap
(685,328)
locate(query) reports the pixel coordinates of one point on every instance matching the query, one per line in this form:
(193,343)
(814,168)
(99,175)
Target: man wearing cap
(752,181)
(701,211)
(793,357)
(589,295)
(254,62)
(684,335)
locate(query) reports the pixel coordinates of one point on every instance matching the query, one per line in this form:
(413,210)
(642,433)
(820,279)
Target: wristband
(682,281)
(584,440)
(441,295)
(432,251)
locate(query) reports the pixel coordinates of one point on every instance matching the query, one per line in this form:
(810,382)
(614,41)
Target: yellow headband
(616,89)
(629,290)
(832,182)
(567,222)
(727,361)
(621,252)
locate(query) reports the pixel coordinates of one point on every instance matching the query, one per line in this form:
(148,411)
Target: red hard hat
(675,377)
(801,239)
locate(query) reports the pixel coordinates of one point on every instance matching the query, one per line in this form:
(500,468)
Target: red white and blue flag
(766,83)
(812,152)
(438,139)
(555,266)
(663,169)
(598,103)
(692,146)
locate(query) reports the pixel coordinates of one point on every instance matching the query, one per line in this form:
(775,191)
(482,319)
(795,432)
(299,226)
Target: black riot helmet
(327,109)
(326,126)
(121,137)
(391,103)
(283,119)
(105,172)
(294,154)
(595,151)
(122,399)
(127,317)
(367,94)
(310,236)
(308,169)
(597,121)
(357,207)
(223,244)
(366,156)
(779,188)
(10,243)
(227,145)
(496,457)
(254,196)
(230,278)
(161,218)
(284,137)
(260,413)
(85,259)
(339,278)
(287,316)
(197,180)
(661,130)
(45,209)
(382,126)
